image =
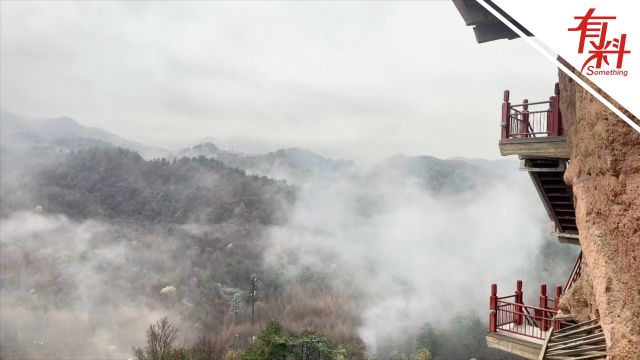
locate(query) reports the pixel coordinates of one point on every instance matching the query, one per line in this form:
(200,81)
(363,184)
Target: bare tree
(208,349)
(161,337)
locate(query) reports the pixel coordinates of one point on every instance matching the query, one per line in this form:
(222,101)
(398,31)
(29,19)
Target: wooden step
(576,342)
(576,326)
(592,356)
(568,225)
(574,332)
(550,174)
(569,344)
(556,190)
(558,195)
(567,218)
(552,182)
(554,186)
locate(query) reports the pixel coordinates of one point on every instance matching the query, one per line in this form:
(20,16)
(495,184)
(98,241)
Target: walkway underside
(527,348)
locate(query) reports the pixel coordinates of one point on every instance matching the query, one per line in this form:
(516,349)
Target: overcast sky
(361,80)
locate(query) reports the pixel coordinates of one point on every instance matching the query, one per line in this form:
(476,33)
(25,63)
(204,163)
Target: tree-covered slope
(115,183)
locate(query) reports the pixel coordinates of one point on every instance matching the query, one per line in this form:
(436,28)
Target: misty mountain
(118,184)
(242,144)
(292,164)
(502,165)
(47,137)
(449,175)
(200,221)
(63,134)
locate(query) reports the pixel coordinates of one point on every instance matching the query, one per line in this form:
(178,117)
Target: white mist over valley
(98,242)
(260,180)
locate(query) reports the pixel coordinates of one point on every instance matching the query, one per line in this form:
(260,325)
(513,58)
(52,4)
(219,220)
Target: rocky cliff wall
(605,176)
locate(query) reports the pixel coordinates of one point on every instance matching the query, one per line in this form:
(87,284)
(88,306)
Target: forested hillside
(173,237)
(295,165)
(98,243)
(118,184)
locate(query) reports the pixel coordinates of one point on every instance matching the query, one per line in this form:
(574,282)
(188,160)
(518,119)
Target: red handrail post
(493,314)
(504,123)
(550,118)
(575,273)
(553,130)
(517,317)
(525,118)
(555,126)
(556,324)
(543,305)
(556,92)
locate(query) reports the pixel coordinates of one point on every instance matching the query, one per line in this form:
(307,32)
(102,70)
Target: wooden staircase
(584,341)
(548,178)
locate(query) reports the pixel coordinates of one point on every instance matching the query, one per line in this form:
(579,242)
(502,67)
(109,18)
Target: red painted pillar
(504,123)
(493,304)
(543,305)
(517,316)
(556,324)
(558,115)
(525,118)
(555,123)
(554,126)
(550,118)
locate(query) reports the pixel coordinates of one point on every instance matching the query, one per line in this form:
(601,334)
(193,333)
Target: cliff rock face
(605,176)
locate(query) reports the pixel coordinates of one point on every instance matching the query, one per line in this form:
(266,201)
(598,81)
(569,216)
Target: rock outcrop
(605,177)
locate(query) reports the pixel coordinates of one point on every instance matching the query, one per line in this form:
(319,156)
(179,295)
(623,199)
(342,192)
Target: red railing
(575,273)
(510,314)
(531,119)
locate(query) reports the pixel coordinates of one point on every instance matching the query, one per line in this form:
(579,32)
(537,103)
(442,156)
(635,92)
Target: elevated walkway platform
(520,328)
(534,132)
(535,147)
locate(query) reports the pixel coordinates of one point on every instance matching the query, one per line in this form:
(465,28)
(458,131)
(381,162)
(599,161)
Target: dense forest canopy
(120,184)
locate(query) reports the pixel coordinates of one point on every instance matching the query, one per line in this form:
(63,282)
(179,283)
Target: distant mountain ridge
(64,133)
(449,175)
(292,164)
(295,165)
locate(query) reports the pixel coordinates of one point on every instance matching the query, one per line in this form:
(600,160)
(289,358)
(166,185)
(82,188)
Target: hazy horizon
(357,81)
(234,144)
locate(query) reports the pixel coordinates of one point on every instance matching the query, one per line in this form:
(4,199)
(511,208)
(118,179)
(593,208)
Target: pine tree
(253,293)
(427,339)
(235,305)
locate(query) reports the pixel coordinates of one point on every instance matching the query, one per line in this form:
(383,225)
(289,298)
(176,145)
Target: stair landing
(542,147)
